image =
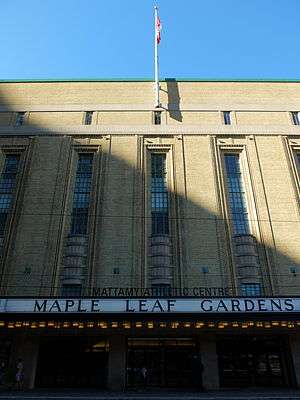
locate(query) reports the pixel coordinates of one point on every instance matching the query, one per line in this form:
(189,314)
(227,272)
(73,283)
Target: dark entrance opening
(72,363)
(169,362)
(252,361)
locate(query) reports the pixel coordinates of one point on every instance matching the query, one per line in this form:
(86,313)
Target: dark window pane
(159,195)
(81,199)
(7,187)
(157,117)
(251,289)
(227,119)
(88,117)
(20,118)
(295,117)
(236,195)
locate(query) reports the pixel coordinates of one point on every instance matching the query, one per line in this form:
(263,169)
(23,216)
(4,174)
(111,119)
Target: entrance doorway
(72,363)
(257,361)
(169,362)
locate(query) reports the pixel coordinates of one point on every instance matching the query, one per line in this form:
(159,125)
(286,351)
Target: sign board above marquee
(233,305)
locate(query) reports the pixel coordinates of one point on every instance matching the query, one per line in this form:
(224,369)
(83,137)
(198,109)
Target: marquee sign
(232,305)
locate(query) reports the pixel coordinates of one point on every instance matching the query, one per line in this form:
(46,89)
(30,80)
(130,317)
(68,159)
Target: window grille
(236,195)
(159,195)
(82,193)
(251,289)
(7,187)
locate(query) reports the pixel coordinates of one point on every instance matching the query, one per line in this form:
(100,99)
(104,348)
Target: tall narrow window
(20,118)
(82,193)
(295,117)
(236,195)
(88,117)
(159,195)
(7,187)
(298,162)
(226,117)
(157,117)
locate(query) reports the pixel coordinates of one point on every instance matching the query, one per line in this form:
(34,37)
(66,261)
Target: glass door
(251,361)
(167,362)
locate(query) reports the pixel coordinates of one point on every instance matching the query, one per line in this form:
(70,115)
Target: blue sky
(114,39)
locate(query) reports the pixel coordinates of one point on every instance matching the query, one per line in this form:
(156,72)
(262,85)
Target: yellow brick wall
(283,212)
(200,215)
(262,118)
(193,117)
(118,209)
(55,118)
(120,222)
(259,94)
(6,118)
(63,93)
(124,118)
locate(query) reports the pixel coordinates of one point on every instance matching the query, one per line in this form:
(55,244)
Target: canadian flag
(158,29)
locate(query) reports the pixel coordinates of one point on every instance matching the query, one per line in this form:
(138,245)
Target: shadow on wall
(202,259)
(173,99)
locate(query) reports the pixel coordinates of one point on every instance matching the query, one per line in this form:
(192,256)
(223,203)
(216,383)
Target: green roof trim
(148,80)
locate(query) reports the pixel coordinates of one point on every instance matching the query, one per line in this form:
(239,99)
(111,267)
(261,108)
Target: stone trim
(154,130)
(113,107)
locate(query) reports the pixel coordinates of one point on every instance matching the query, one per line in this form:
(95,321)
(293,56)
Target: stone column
(117,362)
(209,360)
(26,347)
(295,355)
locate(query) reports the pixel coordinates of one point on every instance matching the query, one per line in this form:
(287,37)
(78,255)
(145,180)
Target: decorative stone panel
(161,270)
(246,254)
(74,261)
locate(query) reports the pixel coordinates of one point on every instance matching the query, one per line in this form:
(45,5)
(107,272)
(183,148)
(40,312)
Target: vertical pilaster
(295,355)
(24,347)
(209,360)
(117,363)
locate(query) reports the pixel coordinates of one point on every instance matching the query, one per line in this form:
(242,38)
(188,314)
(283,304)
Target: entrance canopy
(151,313)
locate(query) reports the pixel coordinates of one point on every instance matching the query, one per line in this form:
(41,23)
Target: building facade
(161,238)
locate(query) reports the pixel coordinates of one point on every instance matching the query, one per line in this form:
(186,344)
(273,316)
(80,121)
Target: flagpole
(157,102)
